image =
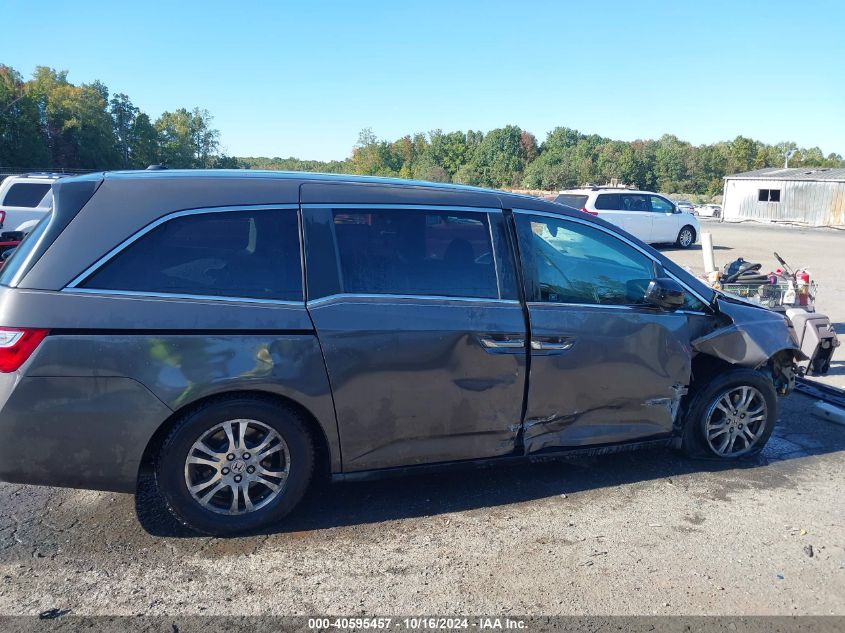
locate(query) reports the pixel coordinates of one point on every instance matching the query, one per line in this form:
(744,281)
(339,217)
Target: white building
(810,195)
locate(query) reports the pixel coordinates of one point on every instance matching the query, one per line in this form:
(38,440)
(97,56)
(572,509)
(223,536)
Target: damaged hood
(754,335)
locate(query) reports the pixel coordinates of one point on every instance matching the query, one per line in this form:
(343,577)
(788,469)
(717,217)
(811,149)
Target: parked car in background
(172,322)
(709,211)
(644,214)
(685,205)
(25,197)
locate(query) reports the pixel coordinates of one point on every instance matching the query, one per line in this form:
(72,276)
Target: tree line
(510,157)
(49,123)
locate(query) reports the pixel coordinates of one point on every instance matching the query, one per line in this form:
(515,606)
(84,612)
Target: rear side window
(609,202)
(410,252)
(572,200)
(635,202)
(26,194)
(239,254)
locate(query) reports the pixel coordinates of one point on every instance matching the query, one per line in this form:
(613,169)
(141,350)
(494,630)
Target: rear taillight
(17,345)
(586,210)
(2,218)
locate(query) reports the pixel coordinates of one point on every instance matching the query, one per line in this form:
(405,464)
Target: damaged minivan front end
(635,376)
(747,335)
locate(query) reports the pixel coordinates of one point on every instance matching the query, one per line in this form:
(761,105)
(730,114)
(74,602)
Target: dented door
(605,368)
(422,332)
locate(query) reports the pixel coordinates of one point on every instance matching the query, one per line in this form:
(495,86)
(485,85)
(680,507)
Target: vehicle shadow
(328,506)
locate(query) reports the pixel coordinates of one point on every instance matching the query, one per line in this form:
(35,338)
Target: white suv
(646,215)
(24,198)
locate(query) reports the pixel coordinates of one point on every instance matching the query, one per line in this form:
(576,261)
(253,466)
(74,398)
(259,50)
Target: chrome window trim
(412,207)
(639,307)
(618,237)
(344,296)
(166,218)
(610,306)
(180,296)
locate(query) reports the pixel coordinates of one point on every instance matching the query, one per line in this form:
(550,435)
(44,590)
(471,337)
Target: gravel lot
(638,533)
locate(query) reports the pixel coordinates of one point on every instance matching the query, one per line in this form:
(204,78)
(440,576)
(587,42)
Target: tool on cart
(779,290)
(793,293)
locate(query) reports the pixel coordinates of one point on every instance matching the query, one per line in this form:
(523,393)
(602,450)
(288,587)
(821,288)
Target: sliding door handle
(488,342)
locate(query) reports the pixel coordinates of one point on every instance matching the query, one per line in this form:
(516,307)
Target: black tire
(695,442)
(682,237)
(171,464)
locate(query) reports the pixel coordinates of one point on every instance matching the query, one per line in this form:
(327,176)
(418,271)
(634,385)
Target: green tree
(123,115)
(77,123)
(741,154)
(22,140)
(498,161)
(671,168)
(186,138)
(143,143)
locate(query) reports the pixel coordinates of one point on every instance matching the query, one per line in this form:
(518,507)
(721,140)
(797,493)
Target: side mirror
(664,293)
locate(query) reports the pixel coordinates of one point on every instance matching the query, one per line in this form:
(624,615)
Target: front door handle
(552,344)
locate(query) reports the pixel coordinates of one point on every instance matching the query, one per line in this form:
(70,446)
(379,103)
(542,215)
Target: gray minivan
(238,331)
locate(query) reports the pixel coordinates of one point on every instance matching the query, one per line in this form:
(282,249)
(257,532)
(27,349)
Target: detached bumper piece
(817,339)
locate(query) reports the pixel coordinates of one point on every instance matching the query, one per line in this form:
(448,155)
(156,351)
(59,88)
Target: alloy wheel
(736,421)
(685,238)
(237,466)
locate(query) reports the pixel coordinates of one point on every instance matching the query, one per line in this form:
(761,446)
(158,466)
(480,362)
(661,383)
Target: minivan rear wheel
(235,465)
(731,417)
(686,237)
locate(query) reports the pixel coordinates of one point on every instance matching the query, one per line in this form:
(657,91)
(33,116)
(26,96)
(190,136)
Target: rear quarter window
(238,254)
(575,201)
(25,194)
(609,202)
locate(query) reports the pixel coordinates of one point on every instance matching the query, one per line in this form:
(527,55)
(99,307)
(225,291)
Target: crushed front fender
(753,336)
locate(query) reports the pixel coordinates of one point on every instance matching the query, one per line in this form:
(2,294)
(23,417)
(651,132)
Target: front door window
(573,263)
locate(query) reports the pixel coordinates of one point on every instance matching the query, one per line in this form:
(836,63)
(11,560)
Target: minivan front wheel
(235,465)
(731,417)
(686,237)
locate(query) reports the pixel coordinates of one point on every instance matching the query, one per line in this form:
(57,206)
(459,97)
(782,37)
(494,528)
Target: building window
(768,195)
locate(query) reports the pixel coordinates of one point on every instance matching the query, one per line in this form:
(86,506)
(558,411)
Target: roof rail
(44,174)
(611,185)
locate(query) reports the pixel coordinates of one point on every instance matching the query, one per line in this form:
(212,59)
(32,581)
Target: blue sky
(302,78)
